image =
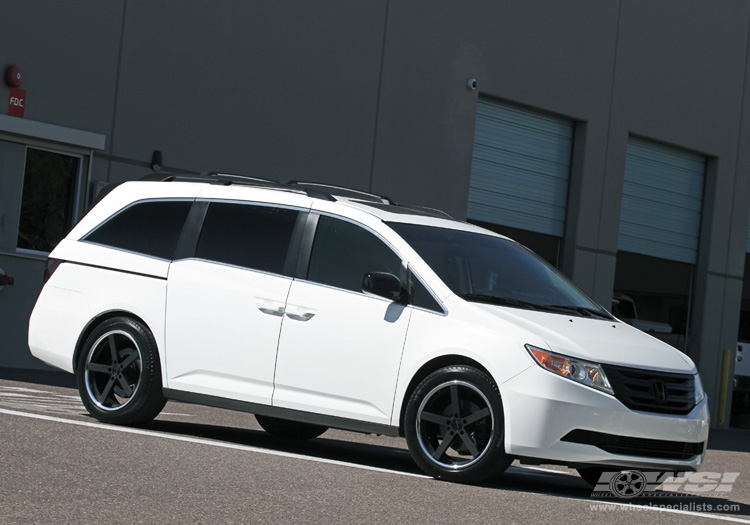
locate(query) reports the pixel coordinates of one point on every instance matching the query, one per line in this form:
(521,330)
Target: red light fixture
(14,76)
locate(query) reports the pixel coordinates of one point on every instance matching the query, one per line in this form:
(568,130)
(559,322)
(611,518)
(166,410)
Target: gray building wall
(374,95)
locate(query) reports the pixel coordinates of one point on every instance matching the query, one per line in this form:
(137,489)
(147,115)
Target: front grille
(630,446)
(650,391)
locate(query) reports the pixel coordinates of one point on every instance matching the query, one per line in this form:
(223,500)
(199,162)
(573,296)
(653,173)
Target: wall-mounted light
(471,84)
(156,160)
(14,76)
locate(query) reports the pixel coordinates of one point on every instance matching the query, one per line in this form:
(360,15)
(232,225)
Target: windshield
(484,268)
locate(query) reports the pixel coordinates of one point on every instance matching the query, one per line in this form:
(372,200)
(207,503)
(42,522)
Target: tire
(119,375)
(454,426)
(286,429)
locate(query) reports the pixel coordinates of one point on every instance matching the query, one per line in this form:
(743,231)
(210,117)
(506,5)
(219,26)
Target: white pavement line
(200,441)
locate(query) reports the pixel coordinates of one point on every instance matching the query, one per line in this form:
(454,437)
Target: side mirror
(383,284)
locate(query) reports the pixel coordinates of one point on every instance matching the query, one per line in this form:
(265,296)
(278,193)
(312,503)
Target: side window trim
(191,231)
(307,236)
(300,244)
(412,276)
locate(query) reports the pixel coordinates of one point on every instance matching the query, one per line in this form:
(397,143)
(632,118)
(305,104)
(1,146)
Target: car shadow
(365,454)
(378,456)
(38,377)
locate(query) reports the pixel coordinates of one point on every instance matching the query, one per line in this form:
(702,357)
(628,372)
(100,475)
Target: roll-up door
(662,201)
(520,168)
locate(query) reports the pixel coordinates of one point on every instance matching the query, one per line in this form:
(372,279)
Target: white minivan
(313,307)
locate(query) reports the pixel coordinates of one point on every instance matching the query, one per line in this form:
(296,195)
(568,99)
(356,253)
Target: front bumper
(550,418)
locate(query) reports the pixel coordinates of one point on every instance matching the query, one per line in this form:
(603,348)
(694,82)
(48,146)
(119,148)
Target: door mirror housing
(385,285)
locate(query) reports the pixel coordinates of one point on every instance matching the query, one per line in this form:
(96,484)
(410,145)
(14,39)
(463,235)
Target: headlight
(584,372)
(698,386)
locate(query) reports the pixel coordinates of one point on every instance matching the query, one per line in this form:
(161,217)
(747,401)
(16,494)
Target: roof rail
(241,179)
(316,190)
(435,212)
(226,179)
(212,178)
(341,191)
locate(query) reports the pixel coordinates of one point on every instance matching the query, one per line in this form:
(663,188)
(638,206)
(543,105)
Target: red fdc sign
(16,102)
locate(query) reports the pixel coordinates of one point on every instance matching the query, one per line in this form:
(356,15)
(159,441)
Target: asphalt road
(202,465)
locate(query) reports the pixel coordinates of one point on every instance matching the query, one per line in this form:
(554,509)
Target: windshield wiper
(501,301)
(582,310)
(517,303)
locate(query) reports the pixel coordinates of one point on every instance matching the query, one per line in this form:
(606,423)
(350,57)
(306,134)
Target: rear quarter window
(150,227)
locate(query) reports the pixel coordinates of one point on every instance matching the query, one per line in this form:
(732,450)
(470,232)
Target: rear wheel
(454,426)
(283,428)
(118,373)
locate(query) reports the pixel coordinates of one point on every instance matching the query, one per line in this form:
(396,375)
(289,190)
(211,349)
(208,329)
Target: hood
(593,339)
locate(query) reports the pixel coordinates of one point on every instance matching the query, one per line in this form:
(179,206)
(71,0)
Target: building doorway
(44,195)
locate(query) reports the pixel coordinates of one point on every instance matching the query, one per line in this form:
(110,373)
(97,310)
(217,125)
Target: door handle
(300,317)
(298,313)
(269,307)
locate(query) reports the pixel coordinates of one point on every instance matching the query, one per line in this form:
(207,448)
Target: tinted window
(485,268)
(151,227)
(421,297)
(343,252)
(246,235)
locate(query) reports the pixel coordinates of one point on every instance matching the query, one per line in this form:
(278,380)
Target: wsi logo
(633,483)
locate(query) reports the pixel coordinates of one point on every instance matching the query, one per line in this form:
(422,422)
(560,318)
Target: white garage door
(520,168)
(662,201)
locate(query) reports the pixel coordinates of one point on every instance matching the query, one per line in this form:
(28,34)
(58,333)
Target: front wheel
(454,426)
(118,373)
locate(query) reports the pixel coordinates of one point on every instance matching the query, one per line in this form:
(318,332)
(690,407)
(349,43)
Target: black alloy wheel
(118,373)
(454,426)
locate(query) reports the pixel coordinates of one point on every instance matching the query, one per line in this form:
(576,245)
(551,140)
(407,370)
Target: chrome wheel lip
(89,380)
(454,466)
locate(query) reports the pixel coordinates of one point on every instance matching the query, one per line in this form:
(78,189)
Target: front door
(340,349)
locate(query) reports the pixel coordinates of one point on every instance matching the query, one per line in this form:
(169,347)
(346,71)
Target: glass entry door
(42,194)
(49,202)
